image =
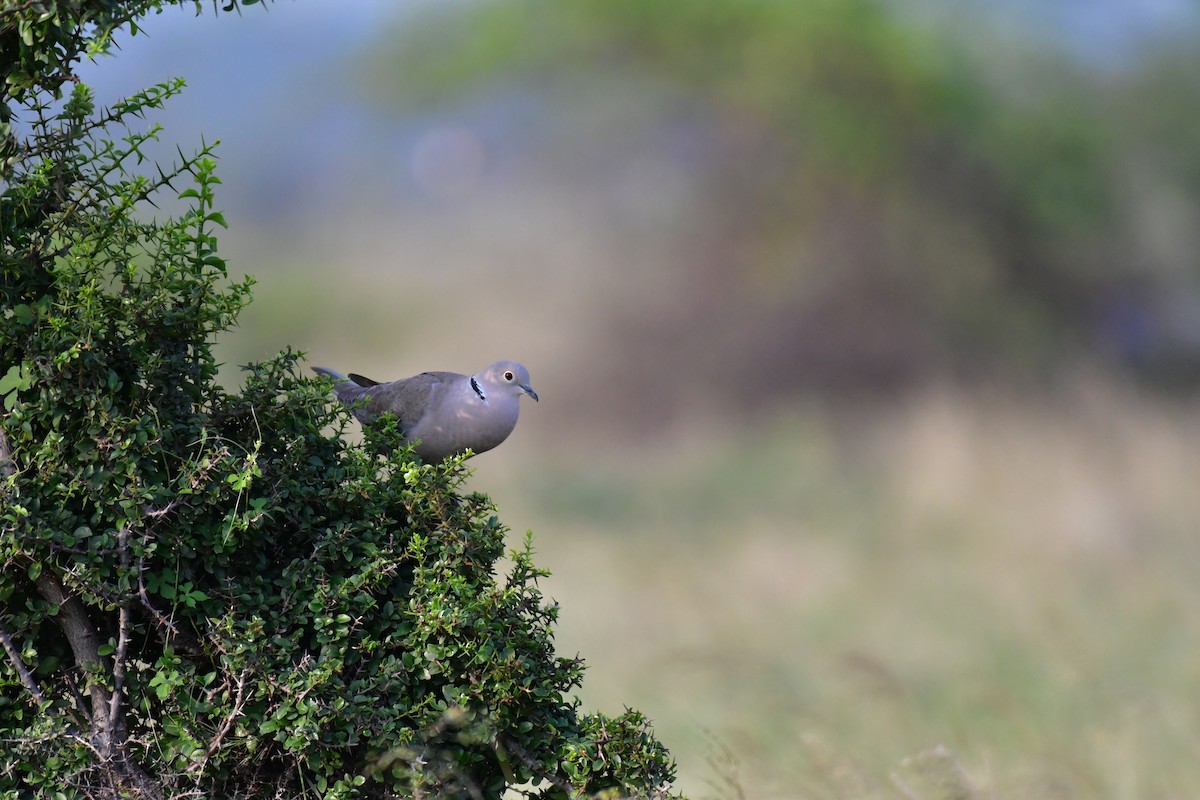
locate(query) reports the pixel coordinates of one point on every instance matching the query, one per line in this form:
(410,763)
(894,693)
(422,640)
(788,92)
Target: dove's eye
(508,376)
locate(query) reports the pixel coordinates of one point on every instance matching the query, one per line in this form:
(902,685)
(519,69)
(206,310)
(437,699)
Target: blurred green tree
(871,202)
(205,593)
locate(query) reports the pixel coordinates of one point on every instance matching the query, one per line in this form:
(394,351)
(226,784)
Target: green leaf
(17,378)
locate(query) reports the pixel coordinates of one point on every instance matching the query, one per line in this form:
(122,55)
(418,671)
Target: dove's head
(508,377)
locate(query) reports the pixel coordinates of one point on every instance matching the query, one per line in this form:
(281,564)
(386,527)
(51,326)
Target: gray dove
(447,412)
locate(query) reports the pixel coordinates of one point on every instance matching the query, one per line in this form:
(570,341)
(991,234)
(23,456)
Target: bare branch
(6,465)
(114,703)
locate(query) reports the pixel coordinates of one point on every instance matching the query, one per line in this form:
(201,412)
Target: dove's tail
(347,389)
(333,373)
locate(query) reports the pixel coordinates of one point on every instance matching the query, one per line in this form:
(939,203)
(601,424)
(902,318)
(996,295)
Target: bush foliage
(207,593)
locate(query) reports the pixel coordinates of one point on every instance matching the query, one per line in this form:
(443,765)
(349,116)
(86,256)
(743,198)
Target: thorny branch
(226,724)
(510,746)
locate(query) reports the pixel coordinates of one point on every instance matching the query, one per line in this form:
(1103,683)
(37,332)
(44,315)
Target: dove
(445,413)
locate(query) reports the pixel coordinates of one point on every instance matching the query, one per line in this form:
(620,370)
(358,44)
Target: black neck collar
(478,391)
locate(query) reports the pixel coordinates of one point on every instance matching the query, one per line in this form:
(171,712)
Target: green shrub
(208,593)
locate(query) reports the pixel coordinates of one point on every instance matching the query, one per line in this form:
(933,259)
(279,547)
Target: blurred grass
(833,595)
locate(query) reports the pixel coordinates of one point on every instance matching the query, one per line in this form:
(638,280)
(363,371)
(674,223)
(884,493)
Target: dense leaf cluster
(208,593)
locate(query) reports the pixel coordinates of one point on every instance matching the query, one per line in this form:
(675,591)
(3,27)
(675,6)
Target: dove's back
(446,411)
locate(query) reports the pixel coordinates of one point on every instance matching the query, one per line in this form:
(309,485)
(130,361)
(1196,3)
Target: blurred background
(867,334)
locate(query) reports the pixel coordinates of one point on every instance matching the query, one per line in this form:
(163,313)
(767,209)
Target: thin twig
(22,670)
(159,617)
(226,724)
(155,513)
(186,643)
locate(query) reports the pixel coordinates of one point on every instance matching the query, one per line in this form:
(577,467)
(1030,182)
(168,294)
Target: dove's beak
(527,389)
